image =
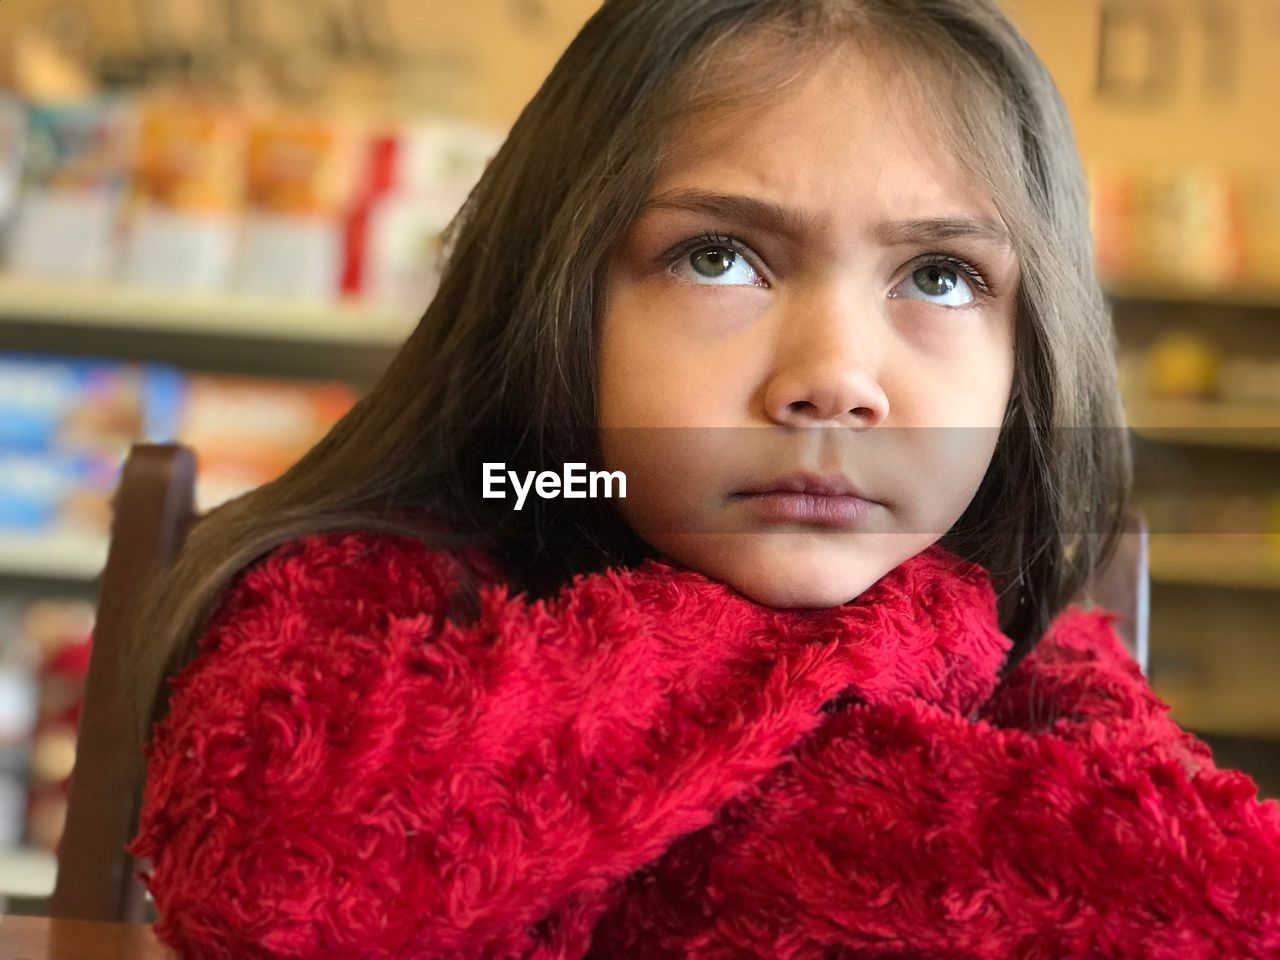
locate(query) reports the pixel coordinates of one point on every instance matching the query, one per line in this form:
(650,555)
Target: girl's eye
(945,277)
(718,260)
(723,261)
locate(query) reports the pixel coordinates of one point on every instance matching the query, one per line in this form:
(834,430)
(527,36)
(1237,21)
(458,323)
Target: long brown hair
(501,366)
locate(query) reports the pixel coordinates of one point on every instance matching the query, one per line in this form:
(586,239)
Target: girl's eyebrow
(799,226)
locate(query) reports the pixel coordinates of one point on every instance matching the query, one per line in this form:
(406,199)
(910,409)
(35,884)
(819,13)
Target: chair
(154,509)
(1124,586)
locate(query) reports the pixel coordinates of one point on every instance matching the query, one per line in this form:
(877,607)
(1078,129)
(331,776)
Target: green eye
(721,260)
(945,277)
(713,261)
(935,280)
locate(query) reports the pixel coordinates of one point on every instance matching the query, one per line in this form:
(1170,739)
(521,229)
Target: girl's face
(782,305)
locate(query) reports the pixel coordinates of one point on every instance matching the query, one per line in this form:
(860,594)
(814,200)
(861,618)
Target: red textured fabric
(649,765)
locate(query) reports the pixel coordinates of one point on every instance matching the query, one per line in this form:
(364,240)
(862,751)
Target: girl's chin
(791,595)
(789,572)
(793,583)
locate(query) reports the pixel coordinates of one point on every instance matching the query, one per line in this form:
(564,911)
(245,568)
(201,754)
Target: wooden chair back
(1124,586)
(154,509)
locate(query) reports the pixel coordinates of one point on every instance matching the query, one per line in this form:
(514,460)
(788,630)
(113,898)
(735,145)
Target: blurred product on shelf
(66,217)
(1194,232)
(66,425)
(56,490)
(247,431)
(1262,227)
(44,661)
(415,180)
(1189,228)
(19,664)
(1183,363)
(50,401)
(298,186)
(1113,220)
(60,632)
(186,195)
(182,192)
(12,149)
(1250,380)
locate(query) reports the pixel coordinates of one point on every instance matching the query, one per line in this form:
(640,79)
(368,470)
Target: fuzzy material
(648,765)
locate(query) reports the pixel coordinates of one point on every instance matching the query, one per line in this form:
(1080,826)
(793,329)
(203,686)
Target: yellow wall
(1193,121)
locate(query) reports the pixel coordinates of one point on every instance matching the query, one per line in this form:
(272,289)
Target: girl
(815,276)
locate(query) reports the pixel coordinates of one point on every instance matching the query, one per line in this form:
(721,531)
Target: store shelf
(126,309)
(1207,423)
(1222,560)
(1218,714)
(27,872)
(53,556)
(1173,291)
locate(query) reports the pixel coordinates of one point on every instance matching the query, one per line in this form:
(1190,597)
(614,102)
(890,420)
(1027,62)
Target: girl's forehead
(847,124)
(855,93)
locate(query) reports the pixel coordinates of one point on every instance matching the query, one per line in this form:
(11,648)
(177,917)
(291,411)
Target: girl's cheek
(710,319)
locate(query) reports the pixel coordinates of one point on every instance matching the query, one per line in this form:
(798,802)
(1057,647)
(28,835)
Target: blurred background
(218,220)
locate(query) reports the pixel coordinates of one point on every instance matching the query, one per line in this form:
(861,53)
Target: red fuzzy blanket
(650,765)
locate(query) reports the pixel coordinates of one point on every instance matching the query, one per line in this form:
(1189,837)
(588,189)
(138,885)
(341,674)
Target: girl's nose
(827,377)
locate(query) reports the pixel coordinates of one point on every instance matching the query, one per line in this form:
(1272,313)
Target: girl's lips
(778,506)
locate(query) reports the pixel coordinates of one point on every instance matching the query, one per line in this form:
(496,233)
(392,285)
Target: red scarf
(649,765)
